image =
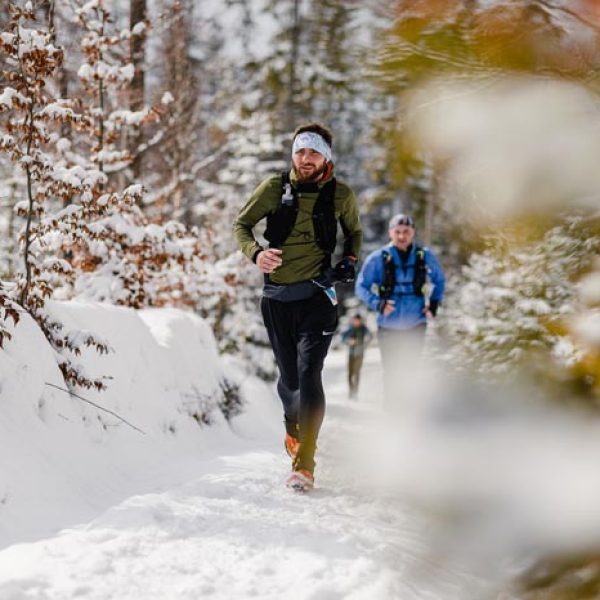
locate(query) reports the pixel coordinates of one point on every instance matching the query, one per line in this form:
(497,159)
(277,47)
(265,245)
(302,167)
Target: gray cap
(401,219)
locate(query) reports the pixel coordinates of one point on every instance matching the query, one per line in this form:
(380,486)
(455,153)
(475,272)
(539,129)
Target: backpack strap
(324,221)
(420,274)
(386,288)
(281,222)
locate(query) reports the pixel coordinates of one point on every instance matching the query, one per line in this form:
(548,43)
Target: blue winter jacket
(409,308)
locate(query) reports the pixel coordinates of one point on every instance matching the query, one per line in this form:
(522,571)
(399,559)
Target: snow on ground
(448,497)
(230,529)
(65,461)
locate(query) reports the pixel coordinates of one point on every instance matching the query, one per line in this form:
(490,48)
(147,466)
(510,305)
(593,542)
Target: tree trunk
(292,91)
(137,14)
(62,74)
(10,232)
(26,257)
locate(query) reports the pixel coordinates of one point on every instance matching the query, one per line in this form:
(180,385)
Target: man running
(302,208)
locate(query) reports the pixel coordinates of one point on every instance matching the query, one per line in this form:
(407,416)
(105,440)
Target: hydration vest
(281,222)
(386,289)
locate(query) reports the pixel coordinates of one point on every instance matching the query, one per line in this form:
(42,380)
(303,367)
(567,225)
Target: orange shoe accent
(301,481)
(292,445)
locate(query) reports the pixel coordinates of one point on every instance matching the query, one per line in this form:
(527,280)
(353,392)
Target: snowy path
(236,532)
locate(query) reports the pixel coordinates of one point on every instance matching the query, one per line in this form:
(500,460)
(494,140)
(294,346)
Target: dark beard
(312,178)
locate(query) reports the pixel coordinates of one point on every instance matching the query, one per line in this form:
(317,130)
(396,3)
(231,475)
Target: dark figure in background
(357,336)
(299,306)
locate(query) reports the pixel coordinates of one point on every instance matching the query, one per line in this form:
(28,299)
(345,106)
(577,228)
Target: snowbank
(65,460)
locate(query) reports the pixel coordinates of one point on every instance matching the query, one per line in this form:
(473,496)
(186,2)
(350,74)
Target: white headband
(312,140)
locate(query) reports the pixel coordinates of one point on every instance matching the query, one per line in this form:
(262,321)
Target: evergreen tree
(510,297)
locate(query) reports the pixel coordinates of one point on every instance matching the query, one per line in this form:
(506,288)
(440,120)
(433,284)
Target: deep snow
(92,508)
(64,461)
(233,530)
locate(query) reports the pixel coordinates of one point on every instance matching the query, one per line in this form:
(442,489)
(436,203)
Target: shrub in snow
(510,297)
(235,316)
(231,402)
(8,310)
(118,256)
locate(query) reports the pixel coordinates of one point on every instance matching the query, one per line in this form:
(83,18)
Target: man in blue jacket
(394,281)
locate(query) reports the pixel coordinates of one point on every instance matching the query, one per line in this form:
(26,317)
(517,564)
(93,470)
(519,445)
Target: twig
(114,414)
(572,13)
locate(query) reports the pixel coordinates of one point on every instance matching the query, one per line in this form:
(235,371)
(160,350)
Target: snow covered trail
(235,532)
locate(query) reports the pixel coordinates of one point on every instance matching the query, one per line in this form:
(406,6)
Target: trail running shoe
(301,481)
(291,445)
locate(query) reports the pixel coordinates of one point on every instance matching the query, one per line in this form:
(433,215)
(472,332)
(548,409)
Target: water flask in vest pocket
(331,294)
(287,198)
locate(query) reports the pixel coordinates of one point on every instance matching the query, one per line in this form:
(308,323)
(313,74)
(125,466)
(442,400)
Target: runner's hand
(268,260)
(388,307)
(345,270)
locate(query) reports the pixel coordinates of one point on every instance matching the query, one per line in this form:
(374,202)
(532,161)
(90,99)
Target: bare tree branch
(114,414)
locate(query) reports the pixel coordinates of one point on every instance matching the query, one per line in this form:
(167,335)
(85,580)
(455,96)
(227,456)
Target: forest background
(131,132)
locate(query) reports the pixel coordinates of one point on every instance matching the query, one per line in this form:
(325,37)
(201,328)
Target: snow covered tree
(116,253)
(508,299)
(179,157)
(106,76)
(312,71)
(31,60)
(82,236)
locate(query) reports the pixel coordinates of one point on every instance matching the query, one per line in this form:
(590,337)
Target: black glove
(433,306)
(345,270)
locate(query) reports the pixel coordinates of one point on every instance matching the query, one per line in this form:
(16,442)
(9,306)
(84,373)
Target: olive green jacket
(302,257)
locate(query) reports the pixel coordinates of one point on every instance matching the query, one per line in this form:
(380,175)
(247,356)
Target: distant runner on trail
(357,337)
(299,306)
(393,282)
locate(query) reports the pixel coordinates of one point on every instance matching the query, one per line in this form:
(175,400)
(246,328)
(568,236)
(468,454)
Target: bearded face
(309,165)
